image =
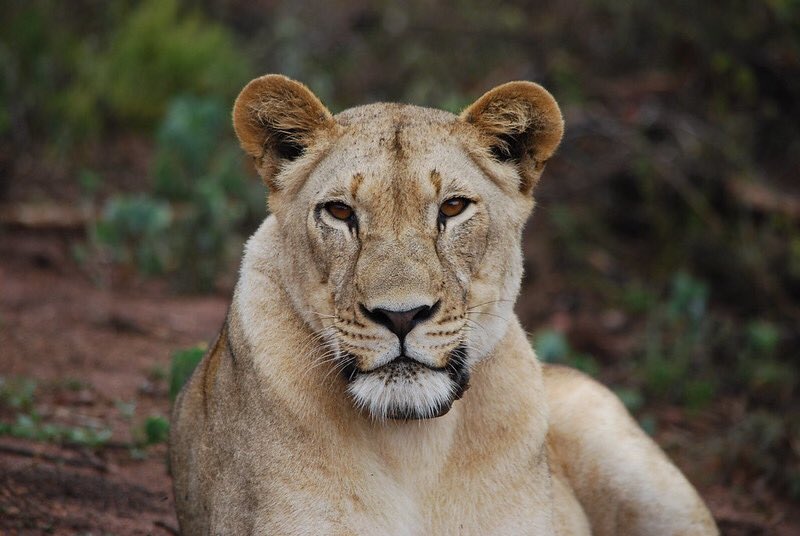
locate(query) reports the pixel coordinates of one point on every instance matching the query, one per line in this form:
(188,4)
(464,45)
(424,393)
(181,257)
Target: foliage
(552,347)
(67,78)
(36,53)
(198,164)
(158,52)
(676,346)
(157,373)
(126,409)
(758,367)
(133,230)
(760,446)
(155,429)
(151,431)
(190,227)
(18,394)
(183,363)
(31,426)
(689,353)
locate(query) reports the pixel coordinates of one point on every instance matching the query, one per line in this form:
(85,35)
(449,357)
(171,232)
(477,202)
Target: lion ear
(522,125)
(275,119)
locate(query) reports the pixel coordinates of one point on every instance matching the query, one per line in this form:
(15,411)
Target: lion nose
(400,322)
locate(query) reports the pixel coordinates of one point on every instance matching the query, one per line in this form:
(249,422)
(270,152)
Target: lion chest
(373,497)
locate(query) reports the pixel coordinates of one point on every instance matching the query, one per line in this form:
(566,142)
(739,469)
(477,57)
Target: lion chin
(405,389)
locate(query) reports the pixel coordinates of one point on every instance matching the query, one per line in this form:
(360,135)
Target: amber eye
(340,211)
(453,207)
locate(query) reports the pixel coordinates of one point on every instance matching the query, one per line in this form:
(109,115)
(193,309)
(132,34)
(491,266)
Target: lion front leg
(623,480)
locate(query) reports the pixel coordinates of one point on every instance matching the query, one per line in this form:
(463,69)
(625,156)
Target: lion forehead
(396,153)
(399,132)
(382,114)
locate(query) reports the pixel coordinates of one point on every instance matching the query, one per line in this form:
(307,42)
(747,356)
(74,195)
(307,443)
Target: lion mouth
(406,389)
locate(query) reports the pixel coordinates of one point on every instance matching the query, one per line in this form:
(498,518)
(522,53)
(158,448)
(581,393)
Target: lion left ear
(522,125)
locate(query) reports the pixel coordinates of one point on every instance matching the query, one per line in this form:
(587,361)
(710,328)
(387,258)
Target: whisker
(488,302)
(487,314)
(476,323)
(322,315)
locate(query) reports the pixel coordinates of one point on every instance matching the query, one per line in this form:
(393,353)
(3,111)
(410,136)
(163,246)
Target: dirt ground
(94,344)
(64,330)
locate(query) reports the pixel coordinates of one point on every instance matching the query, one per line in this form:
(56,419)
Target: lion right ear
(275,119)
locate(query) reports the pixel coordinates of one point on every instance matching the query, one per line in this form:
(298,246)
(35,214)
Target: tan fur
(271,437)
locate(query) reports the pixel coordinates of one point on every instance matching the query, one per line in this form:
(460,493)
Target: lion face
(399,221)
(403,228)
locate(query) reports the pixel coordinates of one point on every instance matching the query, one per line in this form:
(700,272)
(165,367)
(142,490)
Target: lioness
(334,400)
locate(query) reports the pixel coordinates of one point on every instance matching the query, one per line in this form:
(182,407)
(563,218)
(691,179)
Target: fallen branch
(45,216)
(166,526)
(73,462)
(764,199)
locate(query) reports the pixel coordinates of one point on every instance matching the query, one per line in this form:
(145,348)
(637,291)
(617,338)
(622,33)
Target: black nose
(400,322)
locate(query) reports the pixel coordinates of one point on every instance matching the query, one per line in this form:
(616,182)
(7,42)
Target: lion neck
(504,398)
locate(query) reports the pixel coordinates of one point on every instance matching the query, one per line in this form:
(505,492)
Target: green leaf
(183,364)
(156,430)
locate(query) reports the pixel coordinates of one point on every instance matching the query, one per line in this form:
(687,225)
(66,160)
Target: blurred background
(663,257)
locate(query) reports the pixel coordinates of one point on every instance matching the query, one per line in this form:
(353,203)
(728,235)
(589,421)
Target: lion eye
(340,211)
(453,207)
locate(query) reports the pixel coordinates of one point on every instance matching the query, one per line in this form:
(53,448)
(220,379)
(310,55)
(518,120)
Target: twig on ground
(74,462)
(166,526)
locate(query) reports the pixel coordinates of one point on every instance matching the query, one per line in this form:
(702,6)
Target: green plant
(160,50)
(183,363)
(20,394)
(677,347)
(636,298)
(30,426)
(552,347)
(40,53)
(157,373)
(632,398)
(134,230)
(762,338)
(758,367)
(191,225)
(73,384)
(126,409)
(70,76)
(17,393)
(192,139)
(198,165)
(762,443)
(155,430)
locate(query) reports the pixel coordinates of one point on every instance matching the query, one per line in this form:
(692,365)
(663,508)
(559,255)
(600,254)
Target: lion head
(400,227)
